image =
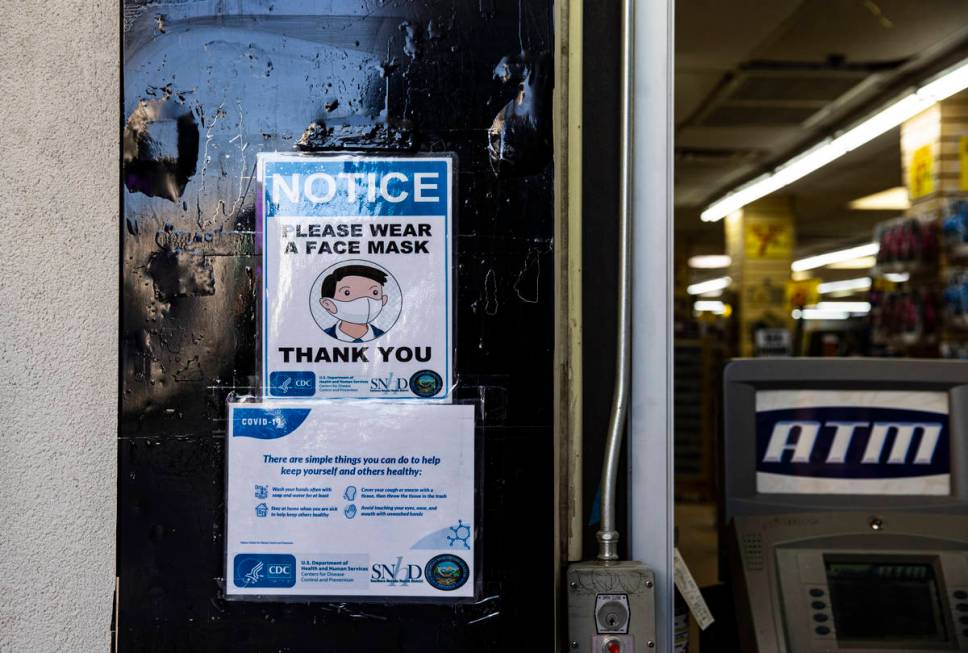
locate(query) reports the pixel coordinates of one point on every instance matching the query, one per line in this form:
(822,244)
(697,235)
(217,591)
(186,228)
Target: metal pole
(650,424)
(608,536)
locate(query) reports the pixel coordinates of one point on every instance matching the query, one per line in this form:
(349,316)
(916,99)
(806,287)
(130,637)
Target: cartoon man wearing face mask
(353,294)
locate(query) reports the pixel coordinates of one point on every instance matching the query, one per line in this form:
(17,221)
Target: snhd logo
(389,384)
(292,384)
(264,570)
(396,573)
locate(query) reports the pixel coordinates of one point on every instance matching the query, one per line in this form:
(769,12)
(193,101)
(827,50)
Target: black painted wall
(207,84)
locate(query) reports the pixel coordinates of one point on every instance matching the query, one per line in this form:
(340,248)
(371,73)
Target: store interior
(821,204)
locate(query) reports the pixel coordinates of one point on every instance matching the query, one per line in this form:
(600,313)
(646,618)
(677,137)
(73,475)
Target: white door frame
(650,420)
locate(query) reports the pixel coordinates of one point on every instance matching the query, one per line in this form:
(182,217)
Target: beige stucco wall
(59,86)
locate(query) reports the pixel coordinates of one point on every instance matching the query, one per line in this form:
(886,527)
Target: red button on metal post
(613,646)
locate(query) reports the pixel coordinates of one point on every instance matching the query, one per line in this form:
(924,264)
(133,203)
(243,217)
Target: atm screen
(886,603)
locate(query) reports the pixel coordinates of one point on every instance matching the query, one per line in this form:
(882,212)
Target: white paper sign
(350,499)
(358,276)
(690,591)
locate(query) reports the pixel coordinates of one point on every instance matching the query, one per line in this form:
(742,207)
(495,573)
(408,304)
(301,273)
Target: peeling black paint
(519,138)
(359,135)
(160,148)
(250,76)
(181,274)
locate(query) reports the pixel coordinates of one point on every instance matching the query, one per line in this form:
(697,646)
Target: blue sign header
(266,424)
(356,186)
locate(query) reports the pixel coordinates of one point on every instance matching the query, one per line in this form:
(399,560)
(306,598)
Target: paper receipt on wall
(690,592)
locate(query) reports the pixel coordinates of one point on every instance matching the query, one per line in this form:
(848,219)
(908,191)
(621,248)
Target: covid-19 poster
(358,276)
(358,499)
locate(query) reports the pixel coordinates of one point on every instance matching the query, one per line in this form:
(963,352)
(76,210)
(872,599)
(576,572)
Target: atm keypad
(820,618)
(959,607)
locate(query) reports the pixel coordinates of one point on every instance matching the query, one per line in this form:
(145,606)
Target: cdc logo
(292,384)
(264,570)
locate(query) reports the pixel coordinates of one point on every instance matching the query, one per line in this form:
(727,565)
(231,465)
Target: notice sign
(350,499)
(358,276)
(852,442)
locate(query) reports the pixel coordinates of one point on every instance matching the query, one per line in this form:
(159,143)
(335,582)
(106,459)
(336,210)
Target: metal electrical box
(611,607)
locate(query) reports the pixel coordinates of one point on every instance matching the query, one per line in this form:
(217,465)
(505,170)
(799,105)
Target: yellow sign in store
(768,238)
(921,172)
(802,293)
(963,163)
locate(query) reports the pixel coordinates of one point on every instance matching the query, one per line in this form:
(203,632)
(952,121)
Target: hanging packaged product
(361,499)
(357,276)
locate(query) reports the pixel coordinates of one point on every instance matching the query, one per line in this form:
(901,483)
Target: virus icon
(462,533)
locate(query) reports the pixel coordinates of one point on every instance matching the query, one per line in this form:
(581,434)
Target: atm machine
(846,500)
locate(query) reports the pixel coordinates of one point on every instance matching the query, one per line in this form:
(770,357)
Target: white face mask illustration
(358,311)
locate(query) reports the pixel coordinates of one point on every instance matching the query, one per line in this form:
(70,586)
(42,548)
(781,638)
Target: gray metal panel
(745,376)
(632,584)
(777,562)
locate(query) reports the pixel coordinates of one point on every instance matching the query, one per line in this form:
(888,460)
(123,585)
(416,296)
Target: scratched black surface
(207,84)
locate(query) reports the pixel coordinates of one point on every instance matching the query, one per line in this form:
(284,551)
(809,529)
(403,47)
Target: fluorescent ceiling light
(817,314)
(846,307)
(892,199)
(839,256)
(897,277)
(944,85)
(862,263)
(847,285)
(953,81)
(703,287)
(709,306)
(710,262)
